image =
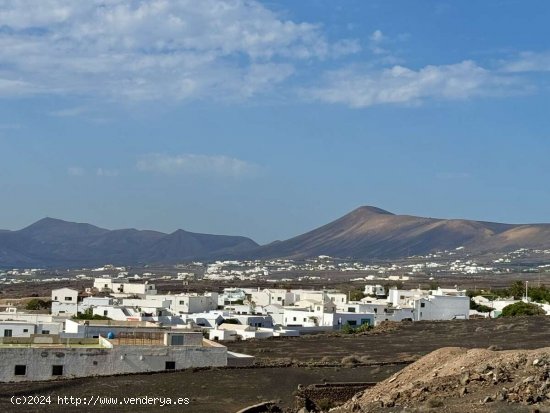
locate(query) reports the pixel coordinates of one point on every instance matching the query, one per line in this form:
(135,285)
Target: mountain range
(52,242)
(365,233)
(369,232)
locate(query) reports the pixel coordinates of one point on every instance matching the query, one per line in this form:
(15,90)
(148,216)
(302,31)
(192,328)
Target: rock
(487,399)
(463,391)
(501,396)
(535,362)
(529,379)
(465,379)
(476,377)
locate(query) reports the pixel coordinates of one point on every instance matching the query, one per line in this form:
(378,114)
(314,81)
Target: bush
(37,304)
(89,315)
(347,329)
(520,308)
(356,295)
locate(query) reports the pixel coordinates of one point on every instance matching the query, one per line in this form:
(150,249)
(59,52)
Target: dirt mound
(460,379)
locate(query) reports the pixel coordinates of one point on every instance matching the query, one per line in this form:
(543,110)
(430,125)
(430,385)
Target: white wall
(65,295)
(83,362)
(442,308)
(17,329)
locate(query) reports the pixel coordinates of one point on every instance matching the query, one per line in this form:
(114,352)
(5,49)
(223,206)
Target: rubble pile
(476,377)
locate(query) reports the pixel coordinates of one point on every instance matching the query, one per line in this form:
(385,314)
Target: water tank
(110,335)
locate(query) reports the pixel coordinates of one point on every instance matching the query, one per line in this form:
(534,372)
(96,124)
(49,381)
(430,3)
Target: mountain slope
(53,242)
(370,232)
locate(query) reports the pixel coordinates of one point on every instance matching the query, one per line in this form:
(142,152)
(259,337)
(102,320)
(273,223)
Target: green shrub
(37,304)
(520,309)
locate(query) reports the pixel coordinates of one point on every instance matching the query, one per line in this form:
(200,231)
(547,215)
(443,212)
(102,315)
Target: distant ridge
(53,242)
(369,232)
(365,233)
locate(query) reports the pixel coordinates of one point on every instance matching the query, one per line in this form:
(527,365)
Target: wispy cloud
(528,62)
(219,165)
(363,87)
(69,112)
(138,50)
(106,172)
(75,171)
(376,40)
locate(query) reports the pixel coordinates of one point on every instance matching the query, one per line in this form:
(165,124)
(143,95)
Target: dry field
(227,390)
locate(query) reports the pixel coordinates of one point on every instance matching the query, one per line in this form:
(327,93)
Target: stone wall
(323,396)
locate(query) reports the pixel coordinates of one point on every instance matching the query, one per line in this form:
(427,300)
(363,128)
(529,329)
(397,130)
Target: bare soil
(228,390)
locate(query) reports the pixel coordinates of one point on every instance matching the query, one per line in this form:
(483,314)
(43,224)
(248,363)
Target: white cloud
(358,87)
(377,36)
(193,164)
(132,49)
(106,172)
(75,171)
(529,62)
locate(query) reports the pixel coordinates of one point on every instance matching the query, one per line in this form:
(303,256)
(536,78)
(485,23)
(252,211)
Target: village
(122,325)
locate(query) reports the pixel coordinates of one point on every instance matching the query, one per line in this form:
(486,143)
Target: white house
(442,307)
(51,357)
(17,329)
(122,287)
(374,290)
(70,309)
(65,295)
(269,296)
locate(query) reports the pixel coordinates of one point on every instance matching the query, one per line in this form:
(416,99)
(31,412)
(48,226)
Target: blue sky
(269,118)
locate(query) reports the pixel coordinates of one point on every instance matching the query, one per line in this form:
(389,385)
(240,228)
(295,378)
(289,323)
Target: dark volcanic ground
(227,390)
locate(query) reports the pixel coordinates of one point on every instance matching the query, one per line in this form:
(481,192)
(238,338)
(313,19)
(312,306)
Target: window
(293,318)
(170,365)
(279,298)
(376,310)
(20,369)
(57,370)
(105,312)
(68,298)
(351,309)
(422,305)
(182,302)
(7,333)
(177,340)
(352,322)
(55,298)
(25,330)
(45,331)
